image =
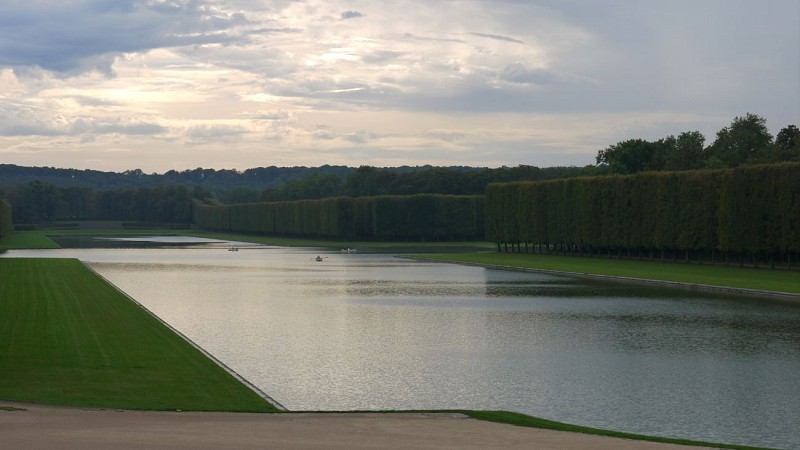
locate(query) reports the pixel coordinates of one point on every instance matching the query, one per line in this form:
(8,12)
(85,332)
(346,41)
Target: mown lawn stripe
(67,337)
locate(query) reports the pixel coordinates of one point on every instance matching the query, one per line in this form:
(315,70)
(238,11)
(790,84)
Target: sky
(178,84)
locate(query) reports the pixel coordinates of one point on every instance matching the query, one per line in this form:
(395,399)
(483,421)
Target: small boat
(348,250)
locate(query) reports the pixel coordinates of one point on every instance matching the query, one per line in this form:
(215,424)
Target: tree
(367,181)
(687,153)
(241,195)
(746,140)
(631,156)
(787,144)
(39,202)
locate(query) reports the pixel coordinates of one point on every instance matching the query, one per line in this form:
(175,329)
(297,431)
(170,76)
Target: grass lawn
(737,277)
(69,338)
(27,240)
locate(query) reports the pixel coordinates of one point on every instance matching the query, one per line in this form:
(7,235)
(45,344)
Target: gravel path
(48,427)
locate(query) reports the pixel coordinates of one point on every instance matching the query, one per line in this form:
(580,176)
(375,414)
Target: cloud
(19,119)
(447,135)
(205,134)
(498,37)
(438,82)
(133,128)
(520,73)
(281,115)
(322,135)
(359,137)
(70,38)
(351,15)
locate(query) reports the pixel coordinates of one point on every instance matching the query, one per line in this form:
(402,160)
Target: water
(376,332)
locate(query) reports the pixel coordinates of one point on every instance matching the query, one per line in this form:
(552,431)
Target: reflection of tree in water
(704,328)
(512,283)
(640,318)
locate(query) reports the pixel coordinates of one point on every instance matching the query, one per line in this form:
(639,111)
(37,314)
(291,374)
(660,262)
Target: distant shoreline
(784,296)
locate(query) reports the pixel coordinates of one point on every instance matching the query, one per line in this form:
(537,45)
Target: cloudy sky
(179,84)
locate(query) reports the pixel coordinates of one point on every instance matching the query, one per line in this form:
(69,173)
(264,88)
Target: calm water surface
(378,332)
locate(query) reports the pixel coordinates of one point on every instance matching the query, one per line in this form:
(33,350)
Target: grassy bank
(535,422)
(40,239)
(735,277)
(27,240)
(69,338)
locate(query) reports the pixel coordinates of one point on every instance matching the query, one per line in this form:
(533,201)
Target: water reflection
(373,331)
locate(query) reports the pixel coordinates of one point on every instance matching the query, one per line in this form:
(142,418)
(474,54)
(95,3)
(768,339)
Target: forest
(39,202)
(751,213)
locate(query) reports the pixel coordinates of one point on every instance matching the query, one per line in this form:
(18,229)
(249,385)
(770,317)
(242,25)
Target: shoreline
(775,295)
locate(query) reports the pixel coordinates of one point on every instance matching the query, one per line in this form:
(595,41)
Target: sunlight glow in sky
(179,84)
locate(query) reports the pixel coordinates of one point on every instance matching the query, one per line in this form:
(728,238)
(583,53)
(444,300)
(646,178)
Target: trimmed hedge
(389,218)
(751,212)
(5,219)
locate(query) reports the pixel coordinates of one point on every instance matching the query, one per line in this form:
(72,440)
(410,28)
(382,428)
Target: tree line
(389,218)
(41,202)
(367,181)
(751,212)
(218,181)
(746,141)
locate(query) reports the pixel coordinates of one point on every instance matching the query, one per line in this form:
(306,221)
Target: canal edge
(775,295)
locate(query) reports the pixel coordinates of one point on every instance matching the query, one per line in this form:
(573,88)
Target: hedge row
(414,217)
(752,210)
(5,219)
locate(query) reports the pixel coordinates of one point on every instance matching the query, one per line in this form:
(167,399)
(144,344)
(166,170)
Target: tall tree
(746,140)
(787,143)
(687,153)
(631,156)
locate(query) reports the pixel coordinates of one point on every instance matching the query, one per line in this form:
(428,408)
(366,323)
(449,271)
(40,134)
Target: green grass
(335,243)
(535,422)
(11,408)
(69,338)
(736,277)
(524,420)
(27,240)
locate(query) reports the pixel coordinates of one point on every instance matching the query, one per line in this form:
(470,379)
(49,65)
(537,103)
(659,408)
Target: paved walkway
(48,427)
